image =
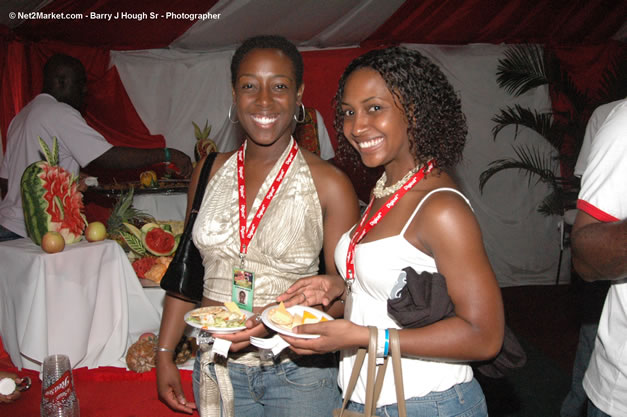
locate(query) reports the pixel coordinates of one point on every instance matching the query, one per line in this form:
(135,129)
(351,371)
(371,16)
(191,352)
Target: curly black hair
(268,42)
(436,125)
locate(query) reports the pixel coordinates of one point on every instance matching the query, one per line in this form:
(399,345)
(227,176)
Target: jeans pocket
(308,378)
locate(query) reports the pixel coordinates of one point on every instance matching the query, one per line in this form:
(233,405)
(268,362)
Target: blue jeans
(465,400)
(593,411)
(576,400)
(305,387)
(6,234)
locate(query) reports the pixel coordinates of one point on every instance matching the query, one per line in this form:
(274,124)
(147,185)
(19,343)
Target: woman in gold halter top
(269,209)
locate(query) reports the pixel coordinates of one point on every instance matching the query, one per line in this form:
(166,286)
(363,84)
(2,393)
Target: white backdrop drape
(170,88)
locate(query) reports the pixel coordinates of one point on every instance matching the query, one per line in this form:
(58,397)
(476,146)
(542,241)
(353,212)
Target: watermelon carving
(50,198)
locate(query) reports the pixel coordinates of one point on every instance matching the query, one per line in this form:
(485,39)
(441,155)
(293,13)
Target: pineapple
(204,145)
(124,212)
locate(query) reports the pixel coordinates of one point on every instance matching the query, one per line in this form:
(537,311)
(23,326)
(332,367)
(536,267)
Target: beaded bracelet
(166,152)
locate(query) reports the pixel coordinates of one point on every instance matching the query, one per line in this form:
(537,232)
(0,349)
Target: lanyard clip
(242,257)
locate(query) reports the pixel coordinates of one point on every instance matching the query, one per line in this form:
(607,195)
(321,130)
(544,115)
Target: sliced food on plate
(228,316)
(281,316)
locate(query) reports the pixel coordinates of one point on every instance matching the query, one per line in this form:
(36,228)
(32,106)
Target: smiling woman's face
(374,123)
(266,95)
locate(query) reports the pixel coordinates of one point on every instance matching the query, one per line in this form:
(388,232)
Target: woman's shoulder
(330,181)
(324,170)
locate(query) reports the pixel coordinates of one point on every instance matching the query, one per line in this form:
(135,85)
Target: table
(85,302)
(162,206)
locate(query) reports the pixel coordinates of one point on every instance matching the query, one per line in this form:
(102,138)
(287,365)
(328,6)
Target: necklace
(380,190)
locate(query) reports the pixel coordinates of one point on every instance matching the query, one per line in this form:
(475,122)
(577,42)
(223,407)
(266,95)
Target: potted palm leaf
(523,68)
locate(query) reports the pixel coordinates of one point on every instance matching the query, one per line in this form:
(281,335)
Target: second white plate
(297,309)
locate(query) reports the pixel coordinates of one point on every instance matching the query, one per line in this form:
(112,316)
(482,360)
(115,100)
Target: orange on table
(148,178)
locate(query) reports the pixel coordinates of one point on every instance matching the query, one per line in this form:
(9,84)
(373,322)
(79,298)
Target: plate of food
(218,319)
(283,320)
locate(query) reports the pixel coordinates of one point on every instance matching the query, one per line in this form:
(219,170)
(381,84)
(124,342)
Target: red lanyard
(364,227)
(246,233)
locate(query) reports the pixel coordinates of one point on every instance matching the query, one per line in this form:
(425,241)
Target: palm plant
(526,67)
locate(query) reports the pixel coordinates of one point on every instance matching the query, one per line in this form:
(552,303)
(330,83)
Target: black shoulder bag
(184,277)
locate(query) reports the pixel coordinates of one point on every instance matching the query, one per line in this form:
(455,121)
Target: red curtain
(514,21)
(586,65)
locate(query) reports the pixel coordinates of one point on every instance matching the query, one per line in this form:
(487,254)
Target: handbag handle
(202,181)
(395,354)
(359,361)
(395,349)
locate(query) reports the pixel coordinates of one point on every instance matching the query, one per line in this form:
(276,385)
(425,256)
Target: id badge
(243,286)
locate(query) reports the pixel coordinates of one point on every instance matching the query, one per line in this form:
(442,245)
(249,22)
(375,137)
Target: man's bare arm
(599,249)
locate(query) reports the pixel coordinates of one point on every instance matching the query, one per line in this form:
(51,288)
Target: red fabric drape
(322,73)
(514,21)
(323,70)
(157,30)
(111,112)
(586,65)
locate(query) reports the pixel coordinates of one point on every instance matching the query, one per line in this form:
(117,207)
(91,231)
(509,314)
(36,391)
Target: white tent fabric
(308,23)
(169,88)
(522,244)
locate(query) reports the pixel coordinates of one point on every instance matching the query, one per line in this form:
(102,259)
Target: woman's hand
(169,385)
(316,290)
(334,335)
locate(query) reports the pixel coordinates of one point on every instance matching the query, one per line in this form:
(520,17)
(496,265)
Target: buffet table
(85,302)
(163,206)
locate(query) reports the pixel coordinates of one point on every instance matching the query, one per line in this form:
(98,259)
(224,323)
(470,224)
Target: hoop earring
(301,109)
(230,111)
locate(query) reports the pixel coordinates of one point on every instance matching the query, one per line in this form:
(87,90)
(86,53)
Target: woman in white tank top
(398,110)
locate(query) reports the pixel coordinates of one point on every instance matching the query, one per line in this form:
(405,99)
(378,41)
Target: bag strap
(359,361)
(395,354)
(395,349)
(371,401)
(202,181)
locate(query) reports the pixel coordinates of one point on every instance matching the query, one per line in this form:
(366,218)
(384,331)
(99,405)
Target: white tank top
(378,265)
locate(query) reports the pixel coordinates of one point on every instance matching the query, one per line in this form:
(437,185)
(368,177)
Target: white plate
(293,310)
(220,330)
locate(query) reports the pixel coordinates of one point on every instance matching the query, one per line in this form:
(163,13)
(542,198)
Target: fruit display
(152,238)
(151,267)
(148,179)
(52,242)
(95,232)
(124,212)
(50,198)
(204,145)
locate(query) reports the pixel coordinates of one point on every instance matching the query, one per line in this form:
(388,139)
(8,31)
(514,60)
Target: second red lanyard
(364,227)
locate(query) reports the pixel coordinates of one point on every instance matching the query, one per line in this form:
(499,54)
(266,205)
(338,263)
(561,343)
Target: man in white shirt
(592,294)
(56,113)
(599,247)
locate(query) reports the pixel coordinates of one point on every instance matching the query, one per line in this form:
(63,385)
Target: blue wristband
(166,152)
(387,343)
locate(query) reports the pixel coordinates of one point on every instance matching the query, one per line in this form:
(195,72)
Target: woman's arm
(340,211)
(447,229)
(171,331)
